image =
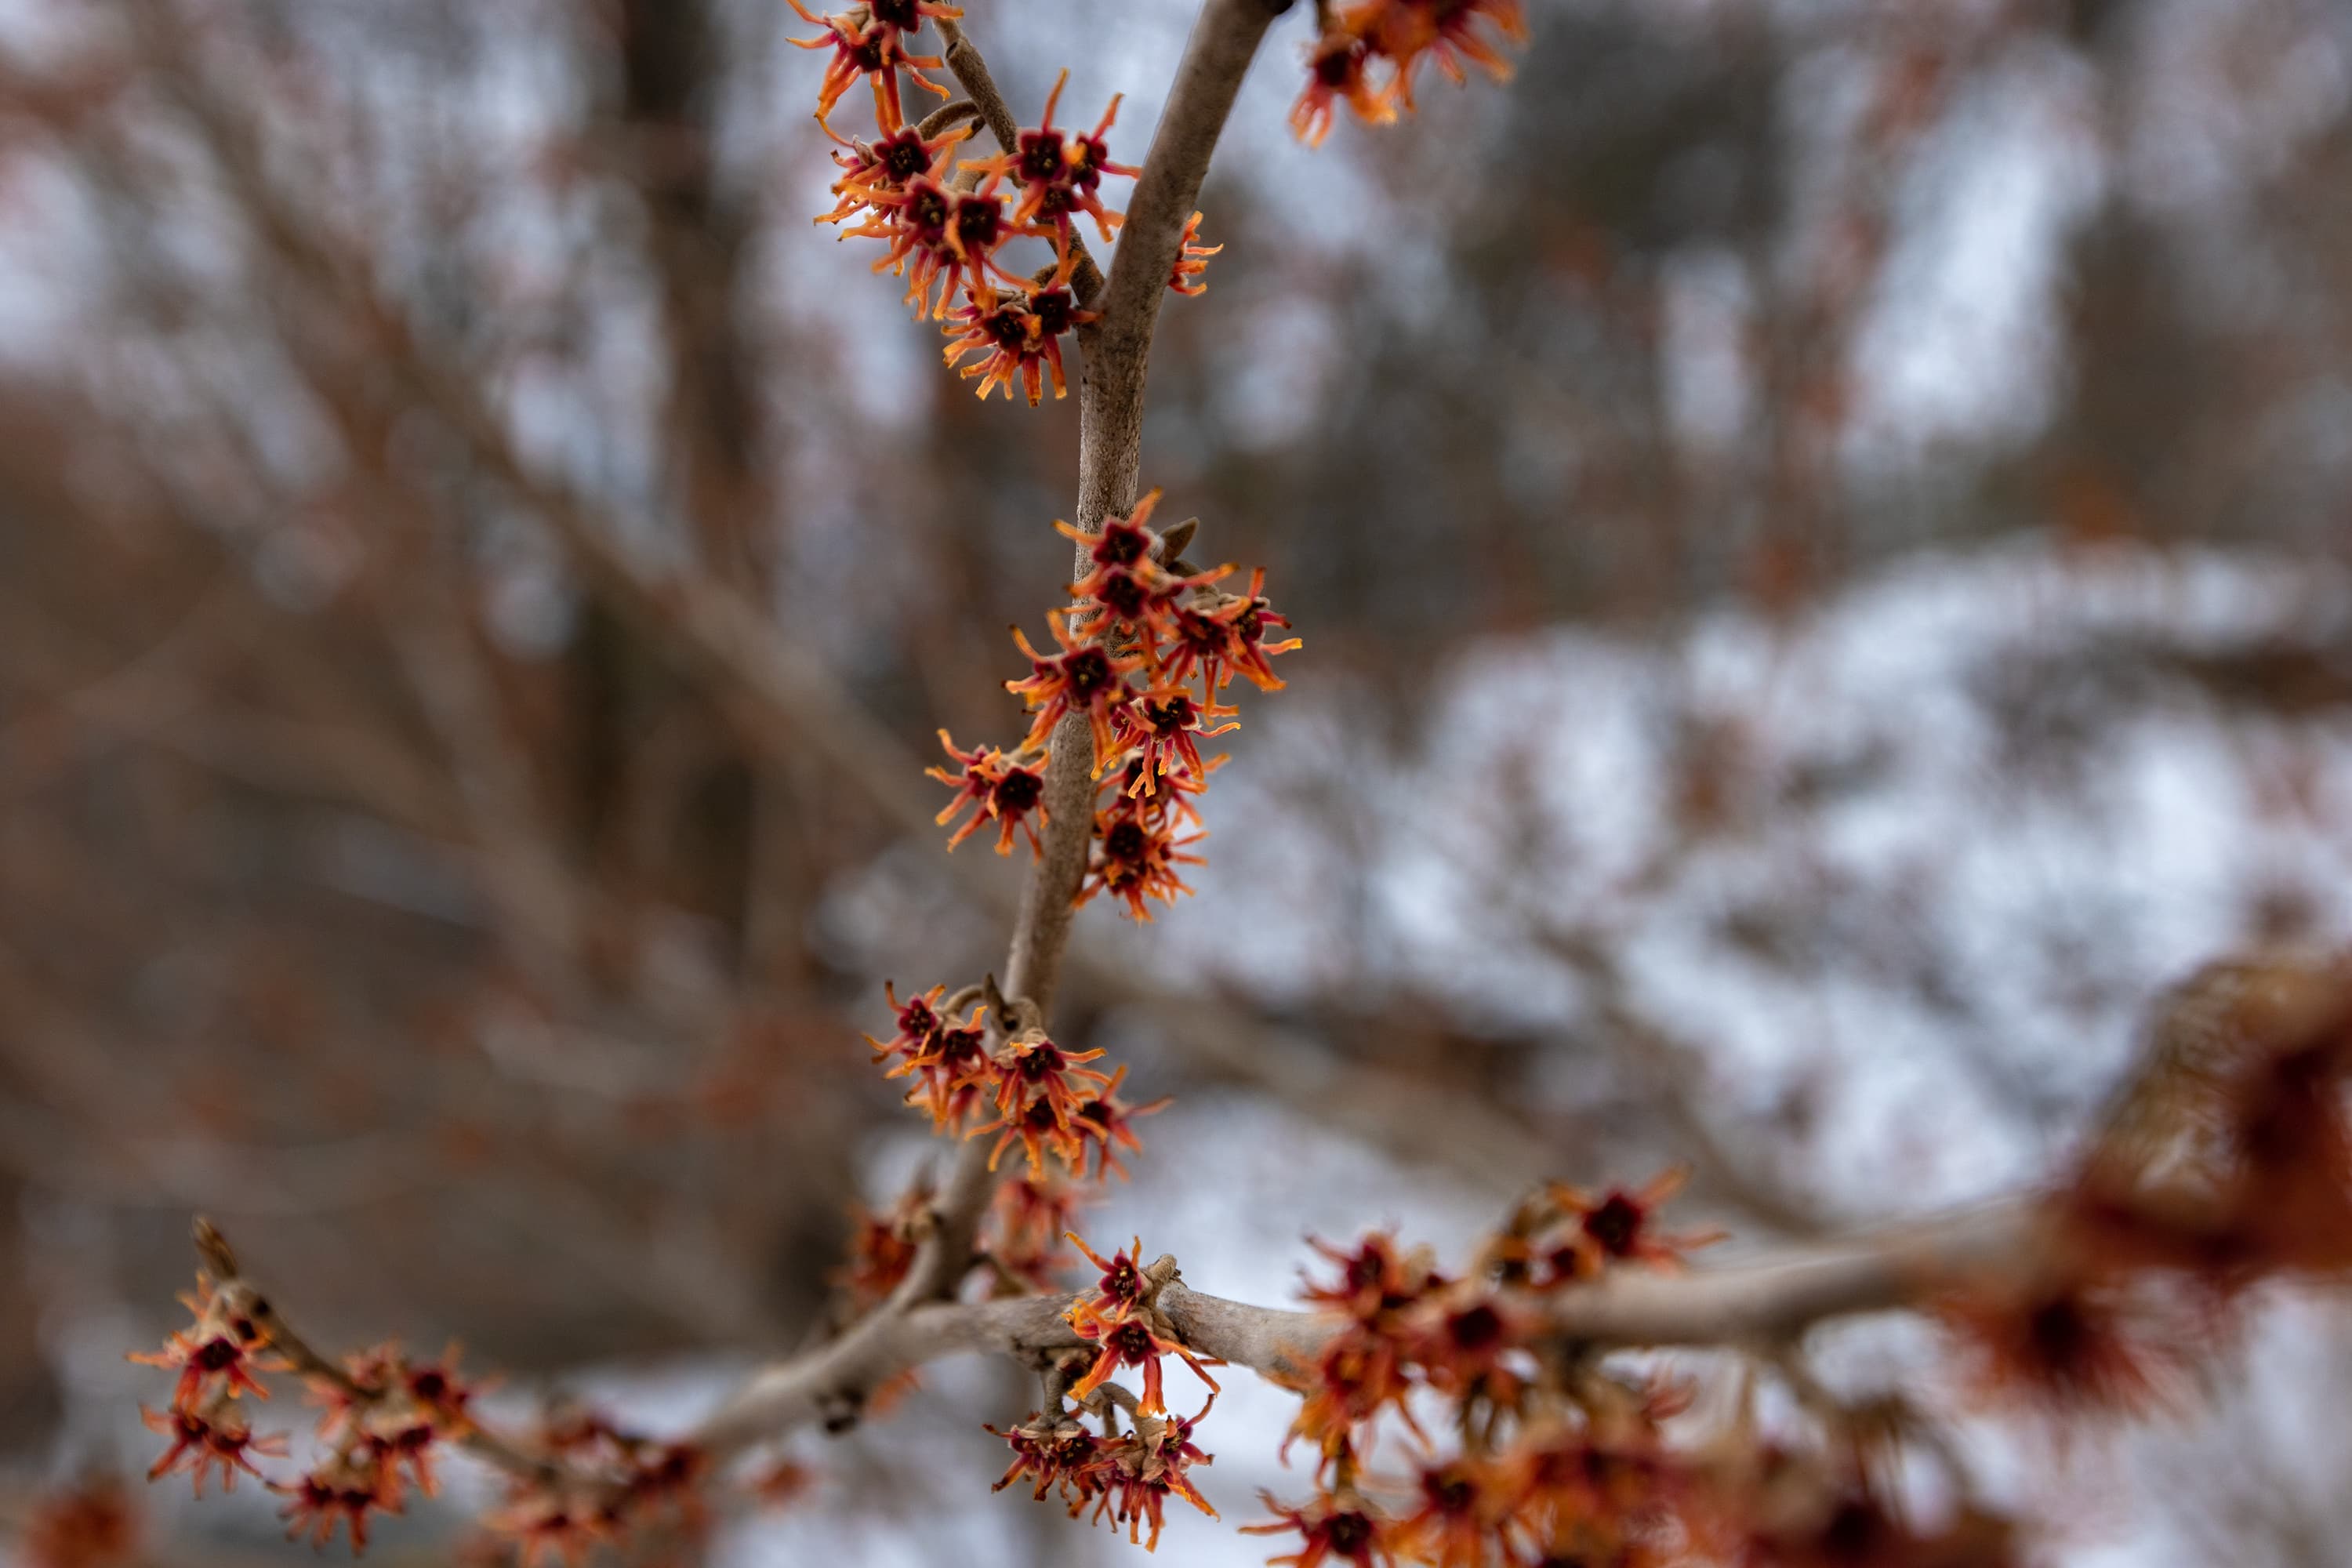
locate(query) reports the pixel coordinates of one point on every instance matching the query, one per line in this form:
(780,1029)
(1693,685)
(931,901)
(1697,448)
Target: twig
(1767,1302)
(233,1286)
(1110,447)
(1771,1301)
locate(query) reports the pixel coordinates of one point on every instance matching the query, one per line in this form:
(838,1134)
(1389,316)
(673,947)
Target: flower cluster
(384,1415)
(1129,1478)
(2230,1165)
(1030,1091)
(603,1486)
(1027,1219)
(1564,1235)
(949,1061)
(1367,52)
(869,43)
(218,1357)
(1143,656)
(1555,1460)
(945,222)
(882,1247)
(384,1420)
(1122,1320)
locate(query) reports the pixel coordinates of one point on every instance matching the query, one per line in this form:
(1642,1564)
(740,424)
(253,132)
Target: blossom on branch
(1122,1319)
(1191,260)
(994,788)
(874,173)
(1060,172)
(1616,1227)
(1138,1473)
(1107,1119)
(1056,1454)
(220,1439)
(864,46)
(1164,729)
(216,1355)
(1338,70)
(1335,1526)
(1394,35)
(1084,678)
(1137,850)
(1020,334)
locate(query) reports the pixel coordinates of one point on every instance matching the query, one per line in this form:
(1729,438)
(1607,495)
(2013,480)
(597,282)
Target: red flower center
(1615,1225)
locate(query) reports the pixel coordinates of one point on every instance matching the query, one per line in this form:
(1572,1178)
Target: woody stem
(1115,348)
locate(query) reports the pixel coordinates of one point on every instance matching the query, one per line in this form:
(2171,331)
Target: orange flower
(91,1526)
(882,1247)
(1055,1453)
(200,1444)
(1376,1281)
(542,1525)
(1119,543)
(1060,172)
(1447,31)
(1401,32)
(1337,1526)
(1463,1343)
(1019,333)
(1338,71)
(1138,1473)
(1136,851)
(1107,1119)
(1029,1215)
(940,239)
(917,1018)
(217,1355)
(1228,636)
(2074,1348)
(954,1068)
(1246,649)
(1164,727)
(1136,1339)
(1126,583)
(1123,1283)
(436,1386)
(873,49)
(1037,1129)
(1361,1371)
(346,1488)
(994,788)
(1084,678)
(1464,1506)
(1122,1319)
(1617,1228)
(1036,1086)
(1562,1480)
(1034,1070)
(1191,260)
(877,172)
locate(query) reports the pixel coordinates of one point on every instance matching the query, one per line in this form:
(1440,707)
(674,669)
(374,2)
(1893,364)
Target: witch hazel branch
(1460,1410)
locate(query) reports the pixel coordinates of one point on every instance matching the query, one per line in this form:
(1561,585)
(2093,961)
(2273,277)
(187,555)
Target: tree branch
(1111,447)
(1771,1301)
(1118,347)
